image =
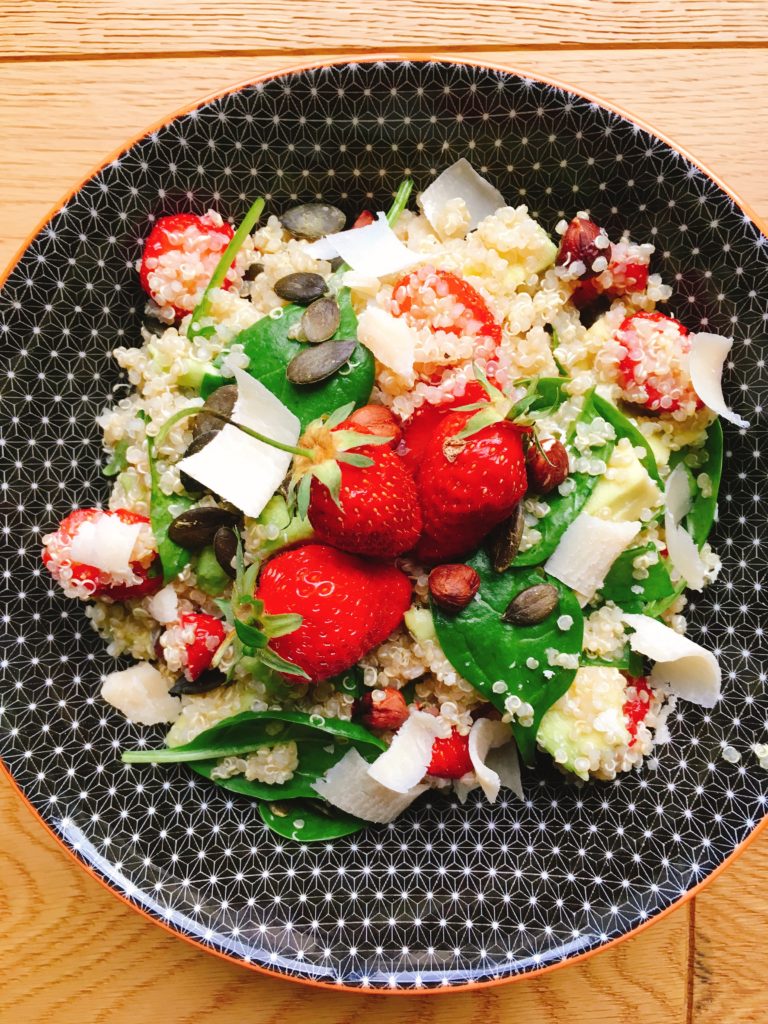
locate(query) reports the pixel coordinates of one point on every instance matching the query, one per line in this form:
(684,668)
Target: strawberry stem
(196,410)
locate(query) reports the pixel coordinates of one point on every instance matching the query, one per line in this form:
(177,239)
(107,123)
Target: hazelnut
(586,244)
(547,465)
(453,586)
(375,419)
(381,709)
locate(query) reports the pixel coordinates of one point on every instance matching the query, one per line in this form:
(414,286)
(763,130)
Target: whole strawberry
(467,485)
(348,606)
(357,493)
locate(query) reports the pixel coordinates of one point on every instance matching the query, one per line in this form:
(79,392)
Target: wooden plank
(72,28)
(72,952)
(82,111)
(730,964)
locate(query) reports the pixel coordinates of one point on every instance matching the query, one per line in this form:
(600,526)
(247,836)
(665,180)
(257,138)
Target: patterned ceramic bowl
(447,895)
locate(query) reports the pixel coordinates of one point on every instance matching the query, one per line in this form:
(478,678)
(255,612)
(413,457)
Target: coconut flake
(405,763)
(374,251)
(505,762)
(106,543)
(348,786)
(238,468)
(587,550)
(706,359)
(141,694)
(677,493)
(683,667)
(164,605)
(485,735)
(390,339)
(460,181)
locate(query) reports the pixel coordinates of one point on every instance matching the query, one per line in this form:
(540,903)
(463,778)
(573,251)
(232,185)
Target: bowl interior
(447,894)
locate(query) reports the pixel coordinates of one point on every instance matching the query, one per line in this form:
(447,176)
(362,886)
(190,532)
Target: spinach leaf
(623,589)
(244,733)
(625,428)
(270,348)
(118,461)
(350,681)
(163,509)
(563,508)
(703,510)
(315,758)
(308,822)
(629,661)
(485,650)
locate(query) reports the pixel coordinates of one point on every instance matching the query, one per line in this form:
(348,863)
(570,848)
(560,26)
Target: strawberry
(450,757)
(636,708)
(356,492)
(180,255)
(627,272)
(418,430)
(443,301)
(654,369)
(203,635)
(364,218)
(87,581)
(348,606)
(467,485)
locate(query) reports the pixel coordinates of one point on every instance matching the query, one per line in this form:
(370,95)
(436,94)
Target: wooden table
(78,78)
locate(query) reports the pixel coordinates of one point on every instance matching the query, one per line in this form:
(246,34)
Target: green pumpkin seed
(313,220)
(196,527)
(225,549)
(532,605)
(317,362)
(222,400)
(321,320)
(504,542)
(300,288)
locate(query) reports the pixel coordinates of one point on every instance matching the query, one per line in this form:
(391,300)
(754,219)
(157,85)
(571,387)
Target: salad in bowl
(402,505)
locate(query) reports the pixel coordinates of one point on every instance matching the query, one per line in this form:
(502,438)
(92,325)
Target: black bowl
(446,895)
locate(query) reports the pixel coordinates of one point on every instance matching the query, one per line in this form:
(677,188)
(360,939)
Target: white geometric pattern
(446,894)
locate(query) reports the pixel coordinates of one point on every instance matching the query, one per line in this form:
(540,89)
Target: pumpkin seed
(225,549)
(317,362)
(154,327)
(301,288)
(209,680)
(531,605)
(504,541)
(221,400)
(197,444)
(313,220)
(253,271)
(196,527)
(321,320)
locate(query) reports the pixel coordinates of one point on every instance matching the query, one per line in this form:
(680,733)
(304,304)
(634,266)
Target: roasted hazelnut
(381,709)
(547,465)
(453,586)
(584,245)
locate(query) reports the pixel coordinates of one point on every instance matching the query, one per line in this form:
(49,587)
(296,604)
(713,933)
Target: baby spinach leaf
(563,508)
(703,509)
(622,588)
(350,682)
(625,428)
(629,661)
(308,822)
(118,461)
(315,758)
(270,348)
(163,509)
(244,733)
(486,651)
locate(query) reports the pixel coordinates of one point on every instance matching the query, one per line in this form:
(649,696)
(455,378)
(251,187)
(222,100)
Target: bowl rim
(299,68)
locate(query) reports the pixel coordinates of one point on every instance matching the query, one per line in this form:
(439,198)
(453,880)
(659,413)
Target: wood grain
(83,110)
(67,28)
(106,965)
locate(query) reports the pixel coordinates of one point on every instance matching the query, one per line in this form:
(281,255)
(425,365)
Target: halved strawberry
(78,579)
(636,708)
(180,255)
(442,301)
(654,370)
(207,634)
(450,757)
